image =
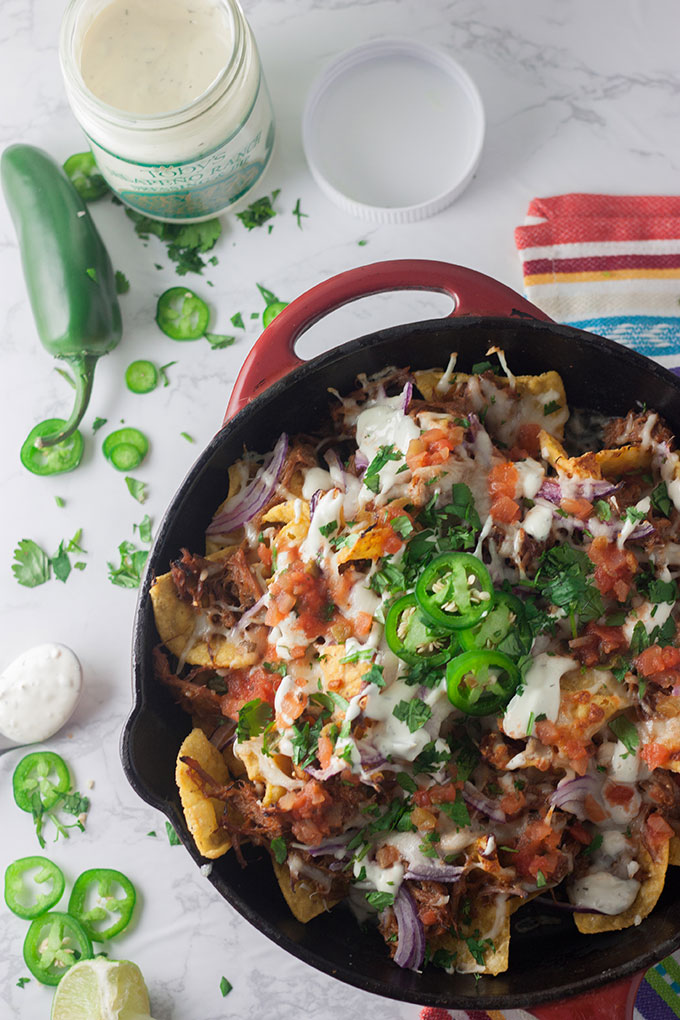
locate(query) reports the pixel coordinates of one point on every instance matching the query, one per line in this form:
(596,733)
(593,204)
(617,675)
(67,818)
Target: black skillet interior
(549,959)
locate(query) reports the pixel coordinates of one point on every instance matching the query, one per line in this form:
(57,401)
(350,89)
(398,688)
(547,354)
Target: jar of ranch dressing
(171,96)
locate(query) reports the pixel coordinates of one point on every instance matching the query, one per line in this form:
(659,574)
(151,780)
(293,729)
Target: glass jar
(191,163)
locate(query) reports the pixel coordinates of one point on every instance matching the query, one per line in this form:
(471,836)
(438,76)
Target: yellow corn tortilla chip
(178,622)
(644,902)
(489,922)
(304,903)
(623,460)
(294,515)
(343,678)
(534,391)
(369,546)
(201,812)
(605,692)
(597,464)
(674,851)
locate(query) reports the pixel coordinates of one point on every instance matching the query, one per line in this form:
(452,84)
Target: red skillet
(594,976)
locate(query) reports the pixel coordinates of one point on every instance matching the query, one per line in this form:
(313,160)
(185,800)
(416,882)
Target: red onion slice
(487,807)
(244,505)
(570,794)
(331,770)
(411,934)
(249,616)
(335,470)
(406,395)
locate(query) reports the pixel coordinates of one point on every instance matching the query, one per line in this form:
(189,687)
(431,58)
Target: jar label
(200,187)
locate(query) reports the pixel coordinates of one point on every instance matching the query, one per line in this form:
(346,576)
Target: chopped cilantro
(661,501)
(173,838)
(144,529)
(186,242)
(31,566)
(603,509)
(664,635)
(218,341)
(661,591)
(22,982)
(457,811)
(136,489)
(380,900)
(540,880)
(632,515)
(362,243)
(374,675)
(406,782)
(189,439)
(132,560)
(482,366)
(402,525)
(276,667)
(225,987)
(59,501)
(595,844)
(443,958)
(122,283)
(430,759)
(478,948)
(259,211)
(413,713)
(384,454)
(328,529)
(279,849)
(551,407)
(428,847)
(61,564)
(640,639)
(253,718)
(625,731)
(358,655)
(299,214)
(152,832)
(237,321)
(562,579)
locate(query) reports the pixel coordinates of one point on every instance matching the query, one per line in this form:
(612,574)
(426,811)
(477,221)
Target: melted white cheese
(540,694)
(643,614)
(603,891)
(327,511)
(316,479)
(629,526)
(385,424)
(531,475)
(538,522)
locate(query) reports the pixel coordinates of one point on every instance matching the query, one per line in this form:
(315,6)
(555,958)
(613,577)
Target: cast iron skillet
(275,391)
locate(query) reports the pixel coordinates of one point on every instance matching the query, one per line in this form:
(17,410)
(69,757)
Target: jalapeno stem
(83,368)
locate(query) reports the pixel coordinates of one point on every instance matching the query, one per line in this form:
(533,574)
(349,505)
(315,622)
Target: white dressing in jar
(38,693)
(171,96)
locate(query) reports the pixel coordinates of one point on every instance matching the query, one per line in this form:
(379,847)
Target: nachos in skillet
(432,663)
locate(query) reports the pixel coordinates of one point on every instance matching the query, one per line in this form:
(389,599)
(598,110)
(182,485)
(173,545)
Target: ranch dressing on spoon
(38,693)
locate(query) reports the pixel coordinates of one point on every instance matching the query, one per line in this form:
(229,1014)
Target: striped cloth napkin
(609,264)
(658,999)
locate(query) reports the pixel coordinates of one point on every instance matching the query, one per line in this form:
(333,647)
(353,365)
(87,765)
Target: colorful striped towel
(609,264)
(657,999)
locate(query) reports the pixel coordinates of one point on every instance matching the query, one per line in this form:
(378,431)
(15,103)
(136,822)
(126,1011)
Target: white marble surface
(579,96)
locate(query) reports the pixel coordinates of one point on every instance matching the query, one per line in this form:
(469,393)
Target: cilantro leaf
(457,811)
(136,489)
(98,423)
(237,321)
(129,572)
(218,341)
(279,849)
(258,212)
(144,529)
(374,675)
(632,515)
(122,283)
(603,509)
(299,214)
(31,566)
(625,731)
(406,782)
(478,948)
(551,407)
(380,900)
(253,718)
(61,564)
(413,713)
(173,838)
(328,529)
(402,525)
(384,454)
(185,242)
(661,501)
(225,987)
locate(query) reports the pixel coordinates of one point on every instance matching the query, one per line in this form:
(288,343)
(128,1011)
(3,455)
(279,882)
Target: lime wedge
(101,989)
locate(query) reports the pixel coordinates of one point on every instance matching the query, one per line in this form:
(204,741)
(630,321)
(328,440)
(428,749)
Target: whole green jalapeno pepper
(69,276)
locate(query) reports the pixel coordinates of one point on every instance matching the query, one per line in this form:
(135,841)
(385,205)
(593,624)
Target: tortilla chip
(201,812)
(176,623)
(624,460)
(674,851)
(304,903)
(486,923)
(598,464)
(250,759)
(369,546)
(535,392)
(344,678)
(643,904)
(294,515)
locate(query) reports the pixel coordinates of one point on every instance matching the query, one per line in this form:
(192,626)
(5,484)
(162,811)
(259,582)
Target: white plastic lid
(393,130)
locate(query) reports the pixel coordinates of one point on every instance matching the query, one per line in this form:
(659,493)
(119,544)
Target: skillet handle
(612,1002)
(273,354)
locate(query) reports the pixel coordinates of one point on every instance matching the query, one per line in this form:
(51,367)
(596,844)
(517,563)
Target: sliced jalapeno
(505,628)
(32,886)
(102,894)
(54,942)
(51,460)
(455,591)
(272,310)
(141,377)
(181,314)
(42,774)
(481,682)
(412,637)
(85,177)
(125,448)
